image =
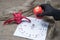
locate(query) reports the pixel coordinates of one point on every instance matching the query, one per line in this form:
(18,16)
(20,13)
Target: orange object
(37,10)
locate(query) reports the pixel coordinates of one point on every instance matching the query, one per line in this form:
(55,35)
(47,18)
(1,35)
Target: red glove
(17,17)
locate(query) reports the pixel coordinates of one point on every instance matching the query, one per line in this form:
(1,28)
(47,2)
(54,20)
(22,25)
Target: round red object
(37,10)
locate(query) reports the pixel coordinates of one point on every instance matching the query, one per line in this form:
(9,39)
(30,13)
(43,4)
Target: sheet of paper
(35,30)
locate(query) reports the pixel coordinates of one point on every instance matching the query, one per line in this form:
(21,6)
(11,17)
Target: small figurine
(17,17)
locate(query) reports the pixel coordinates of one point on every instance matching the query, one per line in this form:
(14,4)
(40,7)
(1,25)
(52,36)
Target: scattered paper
(36,30)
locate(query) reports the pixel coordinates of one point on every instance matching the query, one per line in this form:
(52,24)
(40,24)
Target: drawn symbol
(29,35)
(33,35)
(21,29)
(25,25)
(33,25)
(36,36)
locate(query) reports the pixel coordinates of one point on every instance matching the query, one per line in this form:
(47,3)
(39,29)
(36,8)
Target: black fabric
(56,14)
(49,11)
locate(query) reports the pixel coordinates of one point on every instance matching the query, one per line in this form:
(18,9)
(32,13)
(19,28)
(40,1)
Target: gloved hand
(48,10)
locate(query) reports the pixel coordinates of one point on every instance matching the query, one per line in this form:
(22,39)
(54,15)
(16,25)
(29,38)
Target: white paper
(35,30)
